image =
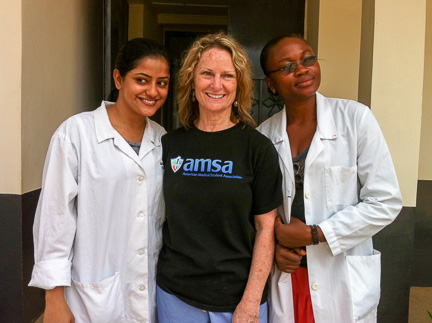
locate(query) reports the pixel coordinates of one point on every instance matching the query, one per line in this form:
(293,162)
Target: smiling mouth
(151,102)
(215,96)
(305,82)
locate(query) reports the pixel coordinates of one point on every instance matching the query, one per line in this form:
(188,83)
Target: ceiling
(187,7)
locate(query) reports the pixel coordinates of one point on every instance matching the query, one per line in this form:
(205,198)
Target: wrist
(314,234)
(53,295)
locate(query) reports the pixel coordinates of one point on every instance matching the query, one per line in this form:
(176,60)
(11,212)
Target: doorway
(177,23)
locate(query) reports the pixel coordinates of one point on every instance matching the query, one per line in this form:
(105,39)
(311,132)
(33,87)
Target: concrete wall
(62,73)
(339,47)
(397,84)
(425,169)
(10,92)
(51,66)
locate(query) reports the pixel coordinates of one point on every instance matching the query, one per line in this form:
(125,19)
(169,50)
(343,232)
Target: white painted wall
(425,164)
(339,37)
(397,84)
(61,72)
(10,94)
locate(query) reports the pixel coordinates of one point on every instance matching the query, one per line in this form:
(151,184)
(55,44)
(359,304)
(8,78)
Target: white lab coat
(351,192)
(98,224)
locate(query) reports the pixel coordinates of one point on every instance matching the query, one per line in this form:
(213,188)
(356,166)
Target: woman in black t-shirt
(222,186)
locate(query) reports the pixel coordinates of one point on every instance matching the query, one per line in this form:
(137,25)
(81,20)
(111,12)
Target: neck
(301,110)
(210,121)
(130,125)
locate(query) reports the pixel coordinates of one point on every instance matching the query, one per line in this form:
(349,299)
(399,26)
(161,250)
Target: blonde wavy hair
(188,111)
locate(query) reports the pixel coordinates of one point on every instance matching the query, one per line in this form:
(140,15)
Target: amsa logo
(202,165)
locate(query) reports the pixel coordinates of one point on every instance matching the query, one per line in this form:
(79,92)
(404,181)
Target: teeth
(148,101)
(215,96)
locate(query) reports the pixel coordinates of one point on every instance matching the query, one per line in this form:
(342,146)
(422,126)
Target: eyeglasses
(291,67)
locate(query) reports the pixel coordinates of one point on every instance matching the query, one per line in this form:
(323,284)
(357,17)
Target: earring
(235,103)
(193,96)
(273,91)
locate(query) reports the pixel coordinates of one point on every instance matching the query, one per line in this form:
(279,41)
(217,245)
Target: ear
(118,79)
(268,82)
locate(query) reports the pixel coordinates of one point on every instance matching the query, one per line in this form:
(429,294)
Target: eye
(289,68)
(163,83)
(309,60)
(206,73)
(141,80)
(229,76)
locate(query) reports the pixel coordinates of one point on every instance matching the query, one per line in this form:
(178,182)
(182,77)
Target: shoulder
(76,125)
(158,130)
(174,135)
(274,119)
(255,135)
(258,143)
(344,106)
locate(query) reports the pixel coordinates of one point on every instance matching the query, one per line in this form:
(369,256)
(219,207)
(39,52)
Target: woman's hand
(288,260)
(294,234)
(246,312)
(56,308)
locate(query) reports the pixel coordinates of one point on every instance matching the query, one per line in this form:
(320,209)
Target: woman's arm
(55,219)
(248,308)
(56,308)
(295,234)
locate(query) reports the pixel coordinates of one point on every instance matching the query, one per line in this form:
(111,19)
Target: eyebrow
(211,70)
(149,76)
(290,59)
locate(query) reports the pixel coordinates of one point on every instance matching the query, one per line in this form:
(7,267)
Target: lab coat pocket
(97,302)
(364,276)
(341,185)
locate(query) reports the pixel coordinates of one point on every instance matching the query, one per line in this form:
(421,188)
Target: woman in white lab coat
(97,230)
(340,188)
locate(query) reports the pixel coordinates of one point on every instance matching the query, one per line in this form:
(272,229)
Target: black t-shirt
(214,185)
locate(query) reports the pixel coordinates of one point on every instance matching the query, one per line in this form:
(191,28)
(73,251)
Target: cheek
(163,93)
(131,87)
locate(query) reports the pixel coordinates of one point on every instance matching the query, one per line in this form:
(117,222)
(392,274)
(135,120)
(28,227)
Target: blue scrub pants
(173,310)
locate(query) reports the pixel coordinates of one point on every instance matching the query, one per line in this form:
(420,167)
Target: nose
(301,69)
(217,82)
(152,90)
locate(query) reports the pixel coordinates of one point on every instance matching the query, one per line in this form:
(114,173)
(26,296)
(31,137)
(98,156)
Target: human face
(215,82)
(304,81)
(144,89)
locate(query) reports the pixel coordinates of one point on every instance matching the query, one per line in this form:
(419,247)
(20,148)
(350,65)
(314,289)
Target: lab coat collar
(105,131)
(280,140)
(325,120)
(326,128)
(103,127)
(151,138)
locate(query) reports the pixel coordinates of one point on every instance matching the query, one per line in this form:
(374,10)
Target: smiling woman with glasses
(340,188)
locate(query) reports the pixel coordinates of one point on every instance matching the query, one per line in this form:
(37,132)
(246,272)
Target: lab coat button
(315,286)
(141,215)
(141,178)
(141,251)
(142,288)
(308,195)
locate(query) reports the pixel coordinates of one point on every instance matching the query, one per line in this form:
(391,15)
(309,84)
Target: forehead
(153,63)
(216,56)
(289,48)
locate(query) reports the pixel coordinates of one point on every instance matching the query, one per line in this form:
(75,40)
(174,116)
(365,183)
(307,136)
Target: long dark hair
(131,53)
